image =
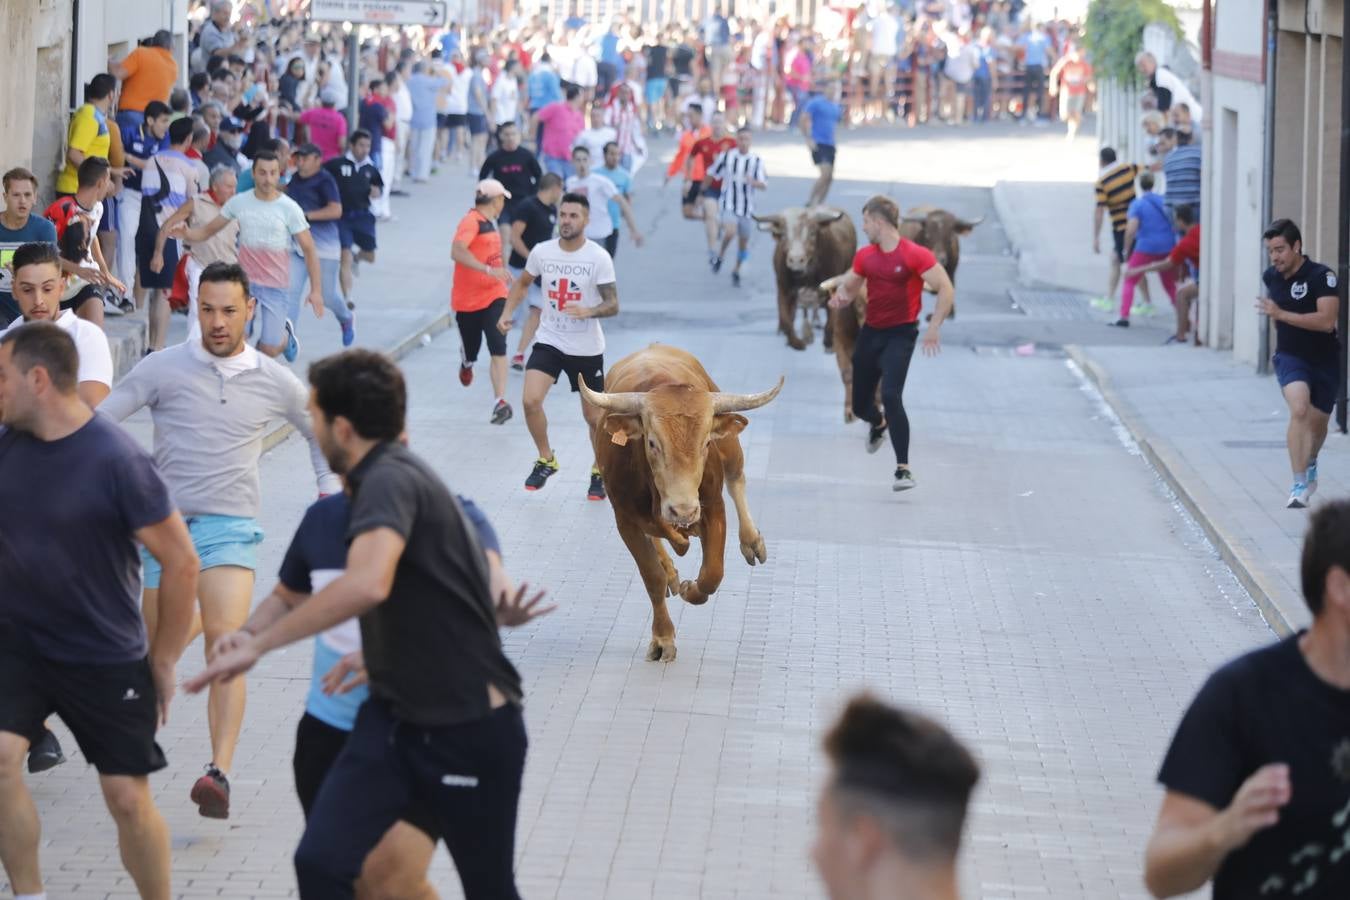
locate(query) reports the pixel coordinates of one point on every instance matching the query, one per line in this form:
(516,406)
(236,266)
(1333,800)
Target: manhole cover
(1065,305)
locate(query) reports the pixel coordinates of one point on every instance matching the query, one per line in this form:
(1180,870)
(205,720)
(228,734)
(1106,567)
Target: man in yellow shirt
(89,134)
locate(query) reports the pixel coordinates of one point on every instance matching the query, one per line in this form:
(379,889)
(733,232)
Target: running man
(517,169)
(73,641)
(169,180)
(579,287)
(741,174)
(478,292)
(535,220)
(443,723)
(1303,303)
(693,174)
(895,270)
(599,191)
(268,221)
(315,189)
(705,151)
(616,172)
(217,392)
(818,121)
(359,184)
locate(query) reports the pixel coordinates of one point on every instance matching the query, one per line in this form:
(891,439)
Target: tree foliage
(1114,33)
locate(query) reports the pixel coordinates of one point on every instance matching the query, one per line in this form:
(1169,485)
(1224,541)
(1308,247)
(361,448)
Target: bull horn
(914,220)
(727,403)
(823,215)
(625,403)
(964,225)
(769,223)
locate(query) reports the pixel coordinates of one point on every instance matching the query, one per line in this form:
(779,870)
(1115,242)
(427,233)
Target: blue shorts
(219,541)
(656,89)
(357,227)
(1321,380)
(273,303)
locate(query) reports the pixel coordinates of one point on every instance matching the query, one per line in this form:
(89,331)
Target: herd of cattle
(668,441)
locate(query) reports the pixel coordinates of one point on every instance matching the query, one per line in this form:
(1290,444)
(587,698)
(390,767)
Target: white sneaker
(111,307)
(904,479)
(1298,496)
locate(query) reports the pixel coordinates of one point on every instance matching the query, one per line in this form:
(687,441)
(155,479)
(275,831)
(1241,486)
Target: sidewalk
(1049,225)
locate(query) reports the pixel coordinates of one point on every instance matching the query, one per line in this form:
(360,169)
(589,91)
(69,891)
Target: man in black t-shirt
(72,638)
(359,181)
(443,722)
(535,220)
(1303,303)
(658,75)
(517,169)
(1258,774)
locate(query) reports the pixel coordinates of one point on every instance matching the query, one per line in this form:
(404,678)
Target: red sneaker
(211,793)
(466,375)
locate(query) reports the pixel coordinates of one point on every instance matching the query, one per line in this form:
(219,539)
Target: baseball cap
(331,95)
(307,150)
(491,187)
(229,123)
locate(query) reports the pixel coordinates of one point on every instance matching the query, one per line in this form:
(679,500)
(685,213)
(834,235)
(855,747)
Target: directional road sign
(380,12)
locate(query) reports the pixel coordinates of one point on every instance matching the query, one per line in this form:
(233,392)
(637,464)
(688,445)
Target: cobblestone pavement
(1040,591)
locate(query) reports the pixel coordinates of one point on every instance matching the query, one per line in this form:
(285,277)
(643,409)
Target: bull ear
(622,427)
(965,226)
(728,425)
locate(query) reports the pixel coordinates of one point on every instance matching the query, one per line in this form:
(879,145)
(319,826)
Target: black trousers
(882,356)
(468,775)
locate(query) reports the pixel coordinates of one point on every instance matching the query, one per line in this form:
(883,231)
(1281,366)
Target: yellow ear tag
(619,437)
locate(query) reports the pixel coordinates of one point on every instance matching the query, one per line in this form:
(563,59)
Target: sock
(743,256)
(498,400)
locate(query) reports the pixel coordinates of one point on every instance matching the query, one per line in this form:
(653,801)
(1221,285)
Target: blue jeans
(559,166)
(983,88)
(332,295)
(799,96)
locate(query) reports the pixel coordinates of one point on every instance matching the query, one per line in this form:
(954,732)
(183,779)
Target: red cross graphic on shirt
(561,296)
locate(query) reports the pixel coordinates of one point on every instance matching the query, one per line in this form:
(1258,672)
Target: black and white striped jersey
(738,171)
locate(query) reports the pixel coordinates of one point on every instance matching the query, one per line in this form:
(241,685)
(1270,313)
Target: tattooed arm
(609,304)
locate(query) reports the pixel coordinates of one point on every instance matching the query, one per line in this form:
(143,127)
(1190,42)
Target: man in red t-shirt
(1185,257)
(703,154)
(895,270)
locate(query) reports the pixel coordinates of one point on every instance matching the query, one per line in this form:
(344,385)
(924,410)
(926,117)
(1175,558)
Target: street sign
(431,13)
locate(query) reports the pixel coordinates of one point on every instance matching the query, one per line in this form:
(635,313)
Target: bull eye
(651,445)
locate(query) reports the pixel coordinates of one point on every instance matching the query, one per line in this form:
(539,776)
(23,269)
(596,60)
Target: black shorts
(711,193)
(823,155)
(552,361)
(692,196)
(317,745)
(1118,241)
(87,293)
(611,243)
(1321,379)
(146,232)
(508,213)
(357,227)
(477,123)
(479,326)
(111,709)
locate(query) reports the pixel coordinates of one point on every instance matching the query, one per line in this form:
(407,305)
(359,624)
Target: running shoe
(904,479)
(597,489)
(735,279)
(543,469)
(110,305)
(717,265)
(128,307)
(211,793)
(292,345)
(1145,309)
(1298,496)
(1120,323)
(501,412)
(1312,475)
(465,374)
(45,754)
(1102,303)
(348,331)
(876,435)
(518,362)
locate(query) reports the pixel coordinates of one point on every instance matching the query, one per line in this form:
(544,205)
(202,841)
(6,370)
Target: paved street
(1041,591)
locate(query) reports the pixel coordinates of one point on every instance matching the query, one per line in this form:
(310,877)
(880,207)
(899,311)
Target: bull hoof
(756,551)
(690,593)
(796,343)
(661,651)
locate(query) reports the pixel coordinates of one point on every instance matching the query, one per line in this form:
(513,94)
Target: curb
(1012,229)
(1188,492)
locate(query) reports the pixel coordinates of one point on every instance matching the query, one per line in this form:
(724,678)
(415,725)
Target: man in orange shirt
(147,73)
(1071,79)
(478,293)
(693,182)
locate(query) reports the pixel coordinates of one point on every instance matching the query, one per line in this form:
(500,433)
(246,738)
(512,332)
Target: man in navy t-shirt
(317,193)
(1303,303)
(818,120)
(72,639)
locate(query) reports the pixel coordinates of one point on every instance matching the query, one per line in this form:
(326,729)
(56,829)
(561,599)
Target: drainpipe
(1343,244)
(1268,177)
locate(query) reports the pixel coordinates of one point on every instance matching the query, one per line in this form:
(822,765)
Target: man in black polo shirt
(535,220)
(443,722)
(517,169)
(1303,303)
(359,182)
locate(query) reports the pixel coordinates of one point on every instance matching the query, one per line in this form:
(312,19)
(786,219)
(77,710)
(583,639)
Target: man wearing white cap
(478,293)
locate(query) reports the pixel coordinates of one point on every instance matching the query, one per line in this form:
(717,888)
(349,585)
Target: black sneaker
(904,479)
(717,265)
(501,412)
(597,488)
(876,435)
(543,469)
(211,793)
(1120,323)
(45,754)
(735,279)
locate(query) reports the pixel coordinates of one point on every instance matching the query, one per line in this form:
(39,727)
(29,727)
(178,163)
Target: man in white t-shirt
(599,191)
(576,277)
(38,286)
(597,136)
(884,31)
(506,95)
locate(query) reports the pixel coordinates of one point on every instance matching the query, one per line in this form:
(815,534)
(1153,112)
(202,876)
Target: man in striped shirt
(1181,170)
(1115,191)
(741,173)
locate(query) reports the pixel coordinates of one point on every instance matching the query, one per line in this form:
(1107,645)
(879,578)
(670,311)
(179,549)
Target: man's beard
(338,458)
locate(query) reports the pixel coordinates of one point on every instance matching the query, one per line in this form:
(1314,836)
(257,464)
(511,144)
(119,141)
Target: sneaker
(1312,475)
(211,793)
(904,479)
(543,469)
(465,374)
(1101,303)
(1298,496)
(111,307)
(876,435)
(735,279)
(597,489)
(1120,323)
(501,412)
(348,332)
(45,754)
(128,307)
(518,362)
(292,345)
(717,265)
(1145,309)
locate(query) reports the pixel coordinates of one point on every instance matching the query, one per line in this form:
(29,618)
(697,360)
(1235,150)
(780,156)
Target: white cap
(491,187)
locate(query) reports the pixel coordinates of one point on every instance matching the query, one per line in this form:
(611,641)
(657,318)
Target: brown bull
(667,444)
(810,246)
